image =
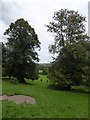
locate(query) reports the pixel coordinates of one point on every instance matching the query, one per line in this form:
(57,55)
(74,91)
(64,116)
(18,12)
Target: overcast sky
(38,13)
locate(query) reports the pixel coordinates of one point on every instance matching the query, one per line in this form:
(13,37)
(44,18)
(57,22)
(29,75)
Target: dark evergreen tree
(22,44)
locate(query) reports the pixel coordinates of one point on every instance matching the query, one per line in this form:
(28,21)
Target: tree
(4,53)
(4,56)
(22,44)
(71,45)
(68,28)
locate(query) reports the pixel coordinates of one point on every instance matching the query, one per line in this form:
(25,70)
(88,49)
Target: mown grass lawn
(50,103)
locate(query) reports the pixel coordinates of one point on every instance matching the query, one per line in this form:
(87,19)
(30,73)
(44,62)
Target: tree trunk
(9,77)
(21,79)
(68,87)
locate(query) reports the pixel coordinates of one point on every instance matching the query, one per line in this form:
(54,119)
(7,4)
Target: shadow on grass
(6,78)
(45,119)
(14,81)
(53,87)
(58,88)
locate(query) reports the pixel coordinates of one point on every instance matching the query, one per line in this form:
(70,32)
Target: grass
(50,103)
(0,101)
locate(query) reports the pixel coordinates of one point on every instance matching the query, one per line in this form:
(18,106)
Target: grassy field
(50,103)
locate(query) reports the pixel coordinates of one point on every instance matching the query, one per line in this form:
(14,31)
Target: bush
(70,67)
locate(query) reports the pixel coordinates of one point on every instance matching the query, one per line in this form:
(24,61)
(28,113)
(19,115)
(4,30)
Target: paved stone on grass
(3,97)
(19,99)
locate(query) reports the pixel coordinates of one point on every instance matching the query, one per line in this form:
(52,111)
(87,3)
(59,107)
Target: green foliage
(4,71)
(22,44)
(71,66)
(4,53)
(57,77)
(72,45)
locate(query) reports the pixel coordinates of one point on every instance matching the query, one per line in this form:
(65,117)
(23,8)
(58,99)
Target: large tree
(71,66)
(22,44)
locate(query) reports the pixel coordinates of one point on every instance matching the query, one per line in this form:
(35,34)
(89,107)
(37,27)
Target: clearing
(49,103)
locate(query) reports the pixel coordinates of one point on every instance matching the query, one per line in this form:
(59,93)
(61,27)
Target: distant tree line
(42,68)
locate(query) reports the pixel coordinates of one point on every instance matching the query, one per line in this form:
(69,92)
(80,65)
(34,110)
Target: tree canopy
(68,27)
